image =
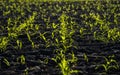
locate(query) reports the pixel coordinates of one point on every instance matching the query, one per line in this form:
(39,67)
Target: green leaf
(6,62)
(105,67)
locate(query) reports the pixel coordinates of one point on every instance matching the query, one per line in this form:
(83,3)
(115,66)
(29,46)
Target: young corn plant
(43,36)
(29,38)
(85,57)
(65,63)
(21,59)
(19,44)
(6,62)
(3,43)
(82,32)
(110,63)
(25,72)
(113,34)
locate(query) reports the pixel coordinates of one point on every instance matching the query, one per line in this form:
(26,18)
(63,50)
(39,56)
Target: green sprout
(21,59)
(3,43)
(64,63)
(19,44)
(29,38)
(43,36)
(85,57)
(6,62)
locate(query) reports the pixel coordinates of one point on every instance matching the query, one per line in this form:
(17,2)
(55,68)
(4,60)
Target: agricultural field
(59,37)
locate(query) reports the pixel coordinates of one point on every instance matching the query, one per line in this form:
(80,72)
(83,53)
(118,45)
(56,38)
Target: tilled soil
(38,61)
